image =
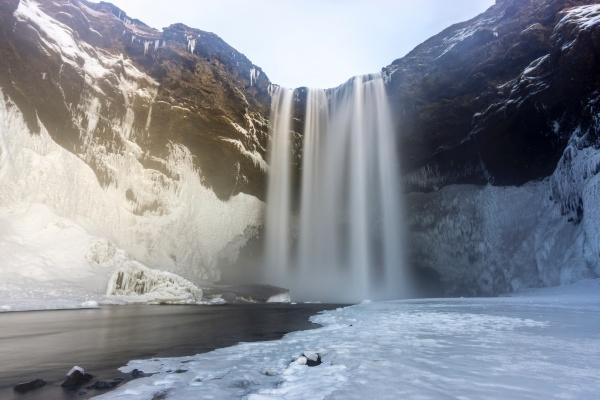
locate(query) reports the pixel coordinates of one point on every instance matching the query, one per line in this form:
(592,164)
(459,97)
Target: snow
(535,64)
(585,17)
(76,369)
(60,39)
(257,160)
(50,262)
(44,261)
(537,345)
(90,304)
(280,298)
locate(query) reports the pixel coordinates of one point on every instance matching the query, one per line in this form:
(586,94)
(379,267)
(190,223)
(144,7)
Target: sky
(315,43)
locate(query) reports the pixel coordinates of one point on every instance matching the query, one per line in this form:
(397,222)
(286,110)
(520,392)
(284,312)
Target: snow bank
(50,262)
(46,261)
(534,346)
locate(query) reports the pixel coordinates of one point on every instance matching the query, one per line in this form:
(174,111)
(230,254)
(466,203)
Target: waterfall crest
(349,241)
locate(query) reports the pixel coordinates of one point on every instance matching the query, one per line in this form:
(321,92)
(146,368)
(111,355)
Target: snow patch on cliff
(584,17)
(59,39)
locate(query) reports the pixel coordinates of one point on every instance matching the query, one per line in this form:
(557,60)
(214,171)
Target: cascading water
(279,190)
(350,240)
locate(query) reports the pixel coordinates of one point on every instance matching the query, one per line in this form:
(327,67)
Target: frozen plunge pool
(540,345)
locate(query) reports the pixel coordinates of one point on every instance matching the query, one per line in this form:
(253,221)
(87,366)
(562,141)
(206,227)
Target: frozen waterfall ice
(348,239)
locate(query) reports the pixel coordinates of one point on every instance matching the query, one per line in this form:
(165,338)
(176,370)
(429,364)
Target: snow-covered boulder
(309,359)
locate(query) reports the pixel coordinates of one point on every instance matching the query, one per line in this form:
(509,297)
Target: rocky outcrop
(499,122)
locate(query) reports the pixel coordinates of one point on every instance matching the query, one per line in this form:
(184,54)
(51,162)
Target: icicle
(254,74)
(191,45)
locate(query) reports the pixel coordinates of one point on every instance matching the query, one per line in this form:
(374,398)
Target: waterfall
(279,189)
(350,238)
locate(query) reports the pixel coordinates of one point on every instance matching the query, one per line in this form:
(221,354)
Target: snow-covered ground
(50,262)
(541,344)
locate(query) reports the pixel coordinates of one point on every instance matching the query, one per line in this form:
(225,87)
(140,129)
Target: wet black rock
(76,378)
(136,373)
(29,386)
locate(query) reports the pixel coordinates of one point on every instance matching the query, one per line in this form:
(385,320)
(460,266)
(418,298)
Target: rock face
(507,99)
(102,82)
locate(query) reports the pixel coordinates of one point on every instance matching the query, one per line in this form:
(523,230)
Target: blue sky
(317,43)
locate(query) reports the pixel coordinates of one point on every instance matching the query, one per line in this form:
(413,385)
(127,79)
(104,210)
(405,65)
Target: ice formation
(191,44)
(254,74)
(139,283)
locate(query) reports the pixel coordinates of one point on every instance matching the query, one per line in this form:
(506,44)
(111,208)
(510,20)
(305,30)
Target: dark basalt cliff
(495,99)
(199,91)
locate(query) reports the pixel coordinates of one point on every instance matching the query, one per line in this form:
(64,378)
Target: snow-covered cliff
(142,138)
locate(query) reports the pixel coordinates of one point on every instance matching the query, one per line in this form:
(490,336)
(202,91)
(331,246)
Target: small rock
(29,386)
(136,373)
(312,359)
(76,377)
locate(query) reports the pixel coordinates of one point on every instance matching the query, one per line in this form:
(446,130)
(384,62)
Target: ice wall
(170,222)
